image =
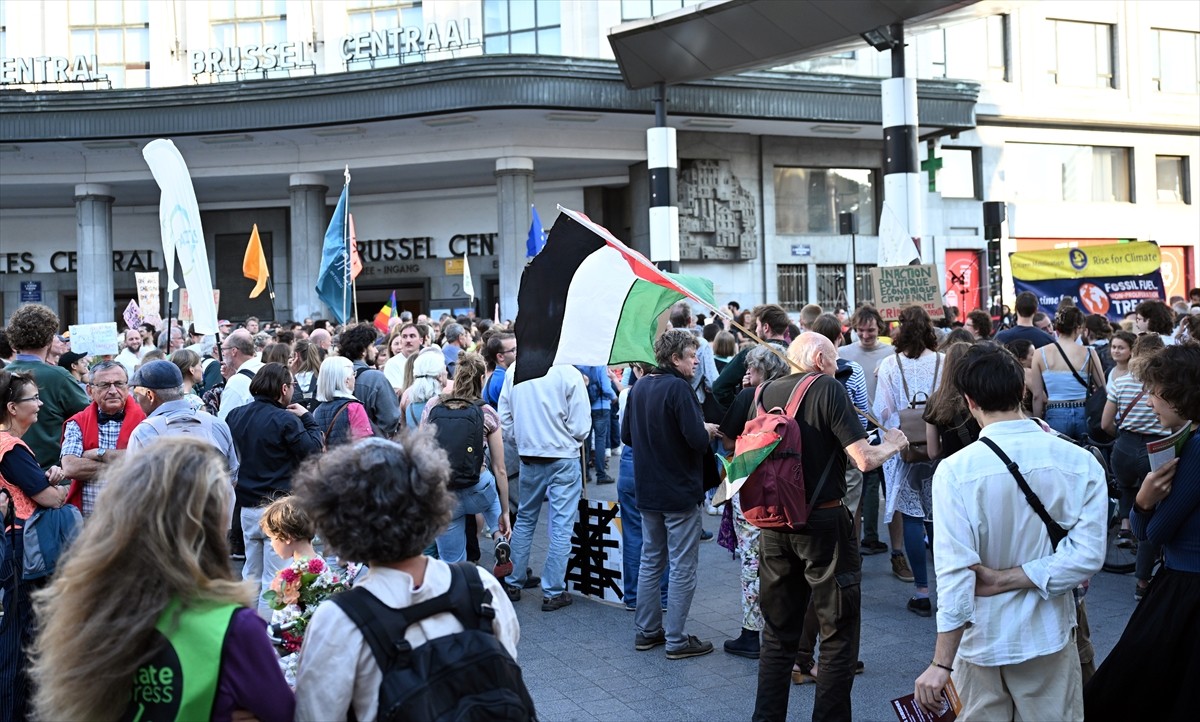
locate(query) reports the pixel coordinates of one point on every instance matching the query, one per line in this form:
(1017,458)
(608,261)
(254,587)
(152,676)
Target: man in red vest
(97,436)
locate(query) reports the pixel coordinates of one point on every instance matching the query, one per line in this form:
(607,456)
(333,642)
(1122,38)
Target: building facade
(455,117)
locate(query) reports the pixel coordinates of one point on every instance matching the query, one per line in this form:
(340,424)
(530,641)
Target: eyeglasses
(109,385)
(511,350)
(35,397)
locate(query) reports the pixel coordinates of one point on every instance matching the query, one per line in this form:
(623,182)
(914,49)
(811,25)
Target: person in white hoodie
(550,418)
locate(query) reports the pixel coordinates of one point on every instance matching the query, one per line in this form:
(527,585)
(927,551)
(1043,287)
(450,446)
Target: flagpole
(346,246)
(271,293)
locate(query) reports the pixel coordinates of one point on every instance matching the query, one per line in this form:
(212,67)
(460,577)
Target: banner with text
(148,293)
(1108,280)
(898,287)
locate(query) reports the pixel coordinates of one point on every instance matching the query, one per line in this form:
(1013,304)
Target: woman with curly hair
(1153,672)
(1154,317)
(168,632)
(379,502)
(909,376)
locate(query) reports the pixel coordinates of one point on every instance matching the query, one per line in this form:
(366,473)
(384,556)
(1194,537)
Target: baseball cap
(69,358)
(223,322)
(159,374)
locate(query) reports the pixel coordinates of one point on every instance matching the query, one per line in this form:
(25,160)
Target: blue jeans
(600,422)
(561,481)
(914,547)
(479,499)
(1069,420)
(671,543)
(631,532)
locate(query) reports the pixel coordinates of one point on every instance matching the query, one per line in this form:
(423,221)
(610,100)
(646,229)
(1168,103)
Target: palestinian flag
(588,299)
(752,449)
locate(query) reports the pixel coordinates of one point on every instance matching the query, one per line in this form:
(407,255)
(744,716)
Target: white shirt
(237,388)
(337,668)
(980,516)
(129,360)
(394,370)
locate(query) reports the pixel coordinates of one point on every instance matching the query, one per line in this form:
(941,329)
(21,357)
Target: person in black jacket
(271,439)
(664,426)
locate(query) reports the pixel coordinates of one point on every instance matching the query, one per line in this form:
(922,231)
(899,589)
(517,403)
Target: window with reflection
(117,32)
(808,200)
(377,16)
(522,27)
(1043,172)
(1083,54)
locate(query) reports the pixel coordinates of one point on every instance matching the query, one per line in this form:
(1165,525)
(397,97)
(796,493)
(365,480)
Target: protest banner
(1109,280)
(132,315)
(147,291)
(185,306)
(94,339)
(898,287)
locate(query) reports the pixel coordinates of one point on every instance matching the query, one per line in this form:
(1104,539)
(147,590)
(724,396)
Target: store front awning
(729,36)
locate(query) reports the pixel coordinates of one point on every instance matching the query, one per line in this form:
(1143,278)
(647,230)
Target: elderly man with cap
(98,435)
(158,388)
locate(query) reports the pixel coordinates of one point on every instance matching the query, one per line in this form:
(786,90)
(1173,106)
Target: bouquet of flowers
(294,595)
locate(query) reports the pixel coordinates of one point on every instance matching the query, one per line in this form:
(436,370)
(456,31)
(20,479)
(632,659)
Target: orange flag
(254,265)
(355,259)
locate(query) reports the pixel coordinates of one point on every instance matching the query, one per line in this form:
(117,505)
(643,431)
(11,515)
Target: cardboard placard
(94,339)
(148,292)
(132,315)
(898,287)
(185,306)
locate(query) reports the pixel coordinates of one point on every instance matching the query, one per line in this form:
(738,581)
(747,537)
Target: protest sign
(132,315)
(147,291)
(898,287)
(185,305)
(94,339)
(1109,280)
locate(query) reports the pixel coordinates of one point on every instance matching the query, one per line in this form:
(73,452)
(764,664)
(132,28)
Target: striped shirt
(1141,419)
(980,516)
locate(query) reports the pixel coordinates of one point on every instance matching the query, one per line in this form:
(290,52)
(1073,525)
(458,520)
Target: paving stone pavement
(579,662)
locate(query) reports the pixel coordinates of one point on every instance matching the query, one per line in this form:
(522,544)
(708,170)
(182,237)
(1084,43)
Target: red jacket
(89,424)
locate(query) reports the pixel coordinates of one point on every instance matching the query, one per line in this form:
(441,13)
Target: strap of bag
(1057,533)
(903,380)
(797,395)
(1129,408)
(312,387)
(1078,376)
(344,407)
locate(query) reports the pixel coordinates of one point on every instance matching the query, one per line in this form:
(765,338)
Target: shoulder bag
(1093,407)
(912,419)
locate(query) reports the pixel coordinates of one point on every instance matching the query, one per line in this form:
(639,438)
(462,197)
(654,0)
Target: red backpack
(773,495)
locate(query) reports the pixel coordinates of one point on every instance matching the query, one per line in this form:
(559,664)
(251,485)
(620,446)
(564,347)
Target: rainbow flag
(385,314)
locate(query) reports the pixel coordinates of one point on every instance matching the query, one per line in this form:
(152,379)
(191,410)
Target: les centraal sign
(451,35)
(50,69)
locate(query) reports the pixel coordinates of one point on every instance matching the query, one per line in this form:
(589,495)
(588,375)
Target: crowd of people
(323,458)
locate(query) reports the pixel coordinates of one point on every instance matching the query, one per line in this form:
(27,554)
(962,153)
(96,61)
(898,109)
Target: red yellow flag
(355,259)
(254,265)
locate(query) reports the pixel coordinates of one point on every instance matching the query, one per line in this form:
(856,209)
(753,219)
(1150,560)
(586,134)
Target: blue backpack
(47,534)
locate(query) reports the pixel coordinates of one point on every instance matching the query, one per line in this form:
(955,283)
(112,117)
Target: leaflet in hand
(1171,447)
(907,708)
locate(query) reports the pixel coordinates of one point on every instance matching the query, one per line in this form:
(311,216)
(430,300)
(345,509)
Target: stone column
(93,238)
(307,191)
(514,198)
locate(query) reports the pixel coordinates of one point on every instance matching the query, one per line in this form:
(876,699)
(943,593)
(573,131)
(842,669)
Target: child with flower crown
(301,585)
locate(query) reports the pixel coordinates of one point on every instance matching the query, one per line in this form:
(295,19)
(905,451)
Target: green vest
(179,682)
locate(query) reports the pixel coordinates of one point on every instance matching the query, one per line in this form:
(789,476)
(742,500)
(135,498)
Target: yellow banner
(1118,259)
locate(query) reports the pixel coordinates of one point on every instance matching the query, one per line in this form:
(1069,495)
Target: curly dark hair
(31,327)
(355,340)
(1068,320)
(916,333)
(1173,375)
(378,501)
(269,380)
(982,322)
(1158,316)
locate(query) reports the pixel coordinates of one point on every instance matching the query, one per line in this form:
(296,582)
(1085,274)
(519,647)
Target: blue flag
(333,281)
(537,237)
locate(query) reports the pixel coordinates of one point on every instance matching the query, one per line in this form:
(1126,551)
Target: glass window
(1066,173)
(1171,171)
(956,177)
(1083,55)
(522,27)
(808,200)
(831,286)
(380,15)
(1175,61)
(117,33)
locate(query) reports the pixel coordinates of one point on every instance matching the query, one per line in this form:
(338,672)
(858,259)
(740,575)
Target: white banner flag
(468,283)
(179,220)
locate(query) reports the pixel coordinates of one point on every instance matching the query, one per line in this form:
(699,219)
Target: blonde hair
(283,519)
(157,535)
(468,376)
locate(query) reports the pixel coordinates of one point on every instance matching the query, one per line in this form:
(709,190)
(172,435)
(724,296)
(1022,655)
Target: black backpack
(458,427)
(466,676)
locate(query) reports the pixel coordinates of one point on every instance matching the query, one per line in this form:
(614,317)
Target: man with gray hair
(664,426)
(98,435)
(158,388)
(457,340)
(238,355)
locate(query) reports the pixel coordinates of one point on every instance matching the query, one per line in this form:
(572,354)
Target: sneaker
(504,565)
(513,592)
(747,645)
(859,667)
(530,580)
(901,569)
(1125,539)
(869,548)
(558,601)
(705,535)
(646,642)
(693,648)
(920,606)
(712,510)
(606,480)
(1139,591)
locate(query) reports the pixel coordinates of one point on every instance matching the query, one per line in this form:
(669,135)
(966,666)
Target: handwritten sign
(132,315)
(898,287)
(185,305)
(94,339)
(147,291)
